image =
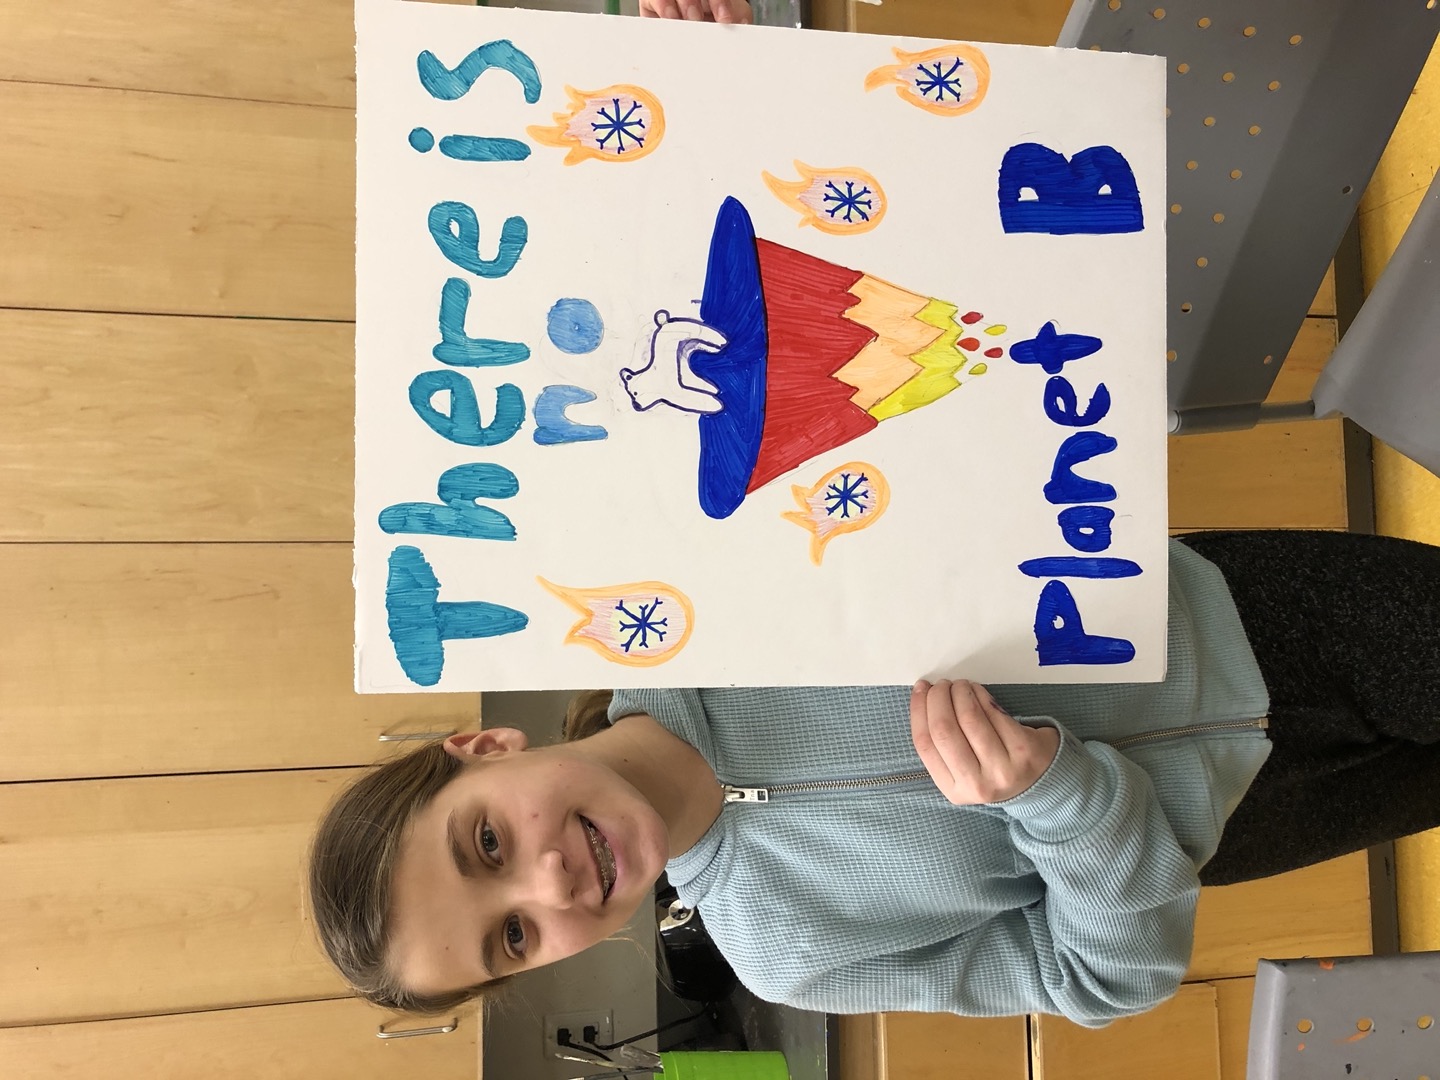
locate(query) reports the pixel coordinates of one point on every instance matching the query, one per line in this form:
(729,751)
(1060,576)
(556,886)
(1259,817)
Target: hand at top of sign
(721,11)
(973,749)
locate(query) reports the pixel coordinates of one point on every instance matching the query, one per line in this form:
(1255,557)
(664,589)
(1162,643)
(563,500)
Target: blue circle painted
(422,140)
(575,326)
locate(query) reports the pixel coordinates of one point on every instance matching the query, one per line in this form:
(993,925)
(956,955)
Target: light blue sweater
(1076,897)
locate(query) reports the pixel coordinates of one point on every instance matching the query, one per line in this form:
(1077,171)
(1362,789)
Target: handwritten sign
(693,355)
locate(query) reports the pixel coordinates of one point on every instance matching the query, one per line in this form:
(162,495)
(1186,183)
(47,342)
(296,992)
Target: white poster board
(693,355)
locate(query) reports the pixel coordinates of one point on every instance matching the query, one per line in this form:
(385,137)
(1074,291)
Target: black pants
(1346,629)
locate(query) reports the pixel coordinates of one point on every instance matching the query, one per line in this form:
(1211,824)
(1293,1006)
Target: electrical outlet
(603,1021)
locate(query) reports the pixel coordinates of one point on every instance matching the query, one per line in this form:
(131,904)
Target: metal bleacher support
(1353,1016)
(1385,375)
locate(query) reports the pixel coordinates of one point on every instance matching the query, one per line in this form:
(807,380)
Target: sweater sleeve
(1111,936)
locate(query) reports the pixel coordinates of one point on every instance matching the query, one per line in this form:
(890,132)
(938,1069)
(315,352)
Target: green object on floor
(724,1066)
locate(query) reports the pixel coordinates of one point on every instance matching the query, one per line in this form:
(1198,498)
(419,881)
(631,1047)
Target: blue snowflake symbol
(849,202)
(621,125)
(846,494)
(641,625)
(938,83)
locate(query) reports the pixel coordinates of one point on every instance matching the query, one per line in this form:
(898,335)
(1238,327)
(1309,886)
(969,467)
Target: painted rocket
(793,356)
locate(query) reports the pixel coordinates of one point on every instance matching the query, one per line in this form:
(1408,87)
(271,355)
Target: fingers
(731,11)
(723,11)
(972,748)
(1013,734)
(977,722)
(1029,749)
(940,739)
(920,735)
(956,740)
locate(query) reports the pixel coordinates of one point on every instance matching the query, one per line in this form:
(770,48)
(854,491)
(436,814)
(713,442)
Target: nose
(550,883)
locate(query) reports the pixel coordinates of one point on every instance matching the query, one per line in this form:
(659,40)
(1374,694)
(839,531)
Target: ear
(472,745)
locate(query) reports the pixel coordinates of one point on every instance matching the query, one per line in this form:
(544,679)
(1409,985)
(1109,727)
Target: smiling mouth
(604,857)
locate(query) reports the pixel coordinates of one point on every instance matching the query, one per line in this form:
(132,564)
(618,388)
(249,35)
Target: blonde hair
(587,713)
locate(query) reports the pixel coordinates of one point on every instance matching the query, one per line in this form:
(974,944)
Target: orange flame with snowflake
(949,80)
(846,499)
(639,624)
(835,201)
(618,123)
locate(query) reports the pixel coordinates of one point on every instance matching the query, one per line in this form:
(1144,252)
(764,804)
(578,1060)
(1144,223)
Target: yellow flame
(819,515)
(904,75)
(808,195)
(611,616)
(939,364)
(575,128)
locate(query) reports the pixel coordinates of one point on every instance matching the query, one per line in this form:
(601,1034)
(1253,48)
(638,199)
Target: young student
(943,847)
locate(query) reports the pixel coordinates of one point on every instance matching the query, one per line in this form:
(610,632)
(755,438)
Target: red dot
(995,354)
(971,317)
(969,344)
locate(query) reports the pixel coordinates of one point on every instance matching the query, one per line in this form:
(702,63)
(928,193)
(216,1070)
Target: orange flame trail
(836,201)
(949,80)
(846,499)
(639,624)
(618,123)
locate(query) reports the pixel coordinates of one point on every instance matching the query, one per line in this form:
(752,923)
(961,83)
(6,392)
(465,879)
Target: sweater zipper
(734,793)
(1262,724)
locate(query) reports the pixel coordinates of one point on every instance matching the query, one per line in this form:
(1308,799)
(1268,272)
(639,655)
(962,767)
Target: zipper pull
(745,794)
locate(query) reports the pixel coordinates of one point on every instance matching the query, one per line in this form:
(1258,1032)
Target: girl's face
(522,859)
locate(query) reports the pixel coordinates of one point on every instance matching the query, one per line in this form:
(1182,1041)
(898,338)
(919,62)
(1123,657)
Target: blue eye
(514,936)
(489,842)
